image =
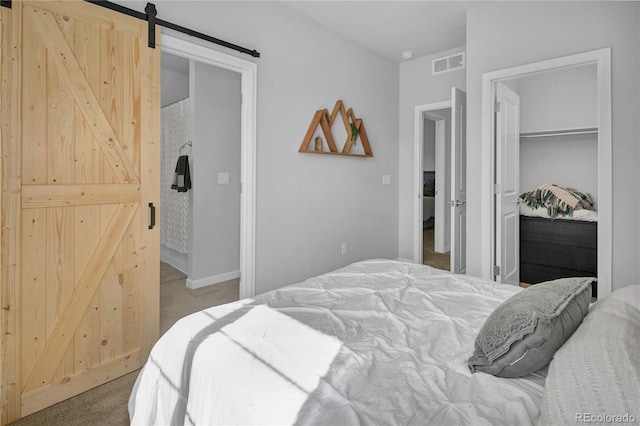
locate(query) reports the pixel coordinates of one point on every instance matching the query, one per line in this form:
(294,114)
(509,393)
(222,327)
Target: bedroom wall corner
(532,32)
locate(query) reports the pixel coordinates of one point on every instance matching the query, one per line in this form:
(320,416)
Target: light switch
(386,179)
(223,178)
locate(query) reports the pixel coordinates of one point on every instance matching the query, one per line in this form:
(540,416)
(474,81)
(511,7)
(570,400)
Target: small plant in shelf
(323,121)
(354,133)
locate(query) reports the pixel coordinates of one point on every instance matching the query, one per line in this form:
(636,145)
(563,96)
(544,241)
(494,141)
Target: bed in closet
(376,342)
(557,242)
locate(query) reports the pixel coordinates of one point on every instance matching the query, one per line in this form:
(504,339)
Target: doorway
(200,223)
(436,167)
(247,71)
(501,237)
(450,191)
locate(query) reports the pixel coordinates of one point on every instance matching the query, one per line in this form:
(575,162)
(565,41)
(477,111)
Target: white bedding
(580,214)
(376,342)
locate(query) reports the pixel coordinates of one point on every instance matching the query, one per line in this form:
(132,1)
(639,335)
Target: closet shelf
(561,132)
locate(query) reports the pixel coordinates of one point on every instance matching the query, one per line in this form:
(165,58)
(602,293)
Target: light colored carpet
(168,273)
(106,405)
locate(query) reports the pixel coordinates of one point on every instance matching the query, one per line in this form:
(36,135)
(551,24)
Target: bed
(376,342)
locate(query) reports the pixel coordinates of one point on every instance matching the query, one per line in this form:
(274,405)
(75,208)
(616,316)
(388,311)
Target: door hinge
(496,270)
(496,188)
(5,3)
(496,106)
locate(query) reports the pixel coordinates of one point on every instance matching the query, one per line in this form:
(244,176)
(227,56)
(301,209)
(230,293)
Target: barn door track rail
(150,16)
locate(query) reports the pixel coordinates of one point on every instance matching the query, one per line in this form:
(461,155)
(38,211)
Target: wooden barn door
(80,166)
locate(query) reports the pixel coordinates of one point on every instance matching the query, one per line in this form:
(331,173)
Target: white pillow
(595,376)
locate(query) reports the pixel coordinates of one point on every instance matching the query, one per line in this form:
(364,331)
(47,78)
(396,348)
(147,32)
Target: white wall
(215,227)
(564,160)
(429,153)
(174,83)
(530,32)
(417,87)
(307,205)
(559,99)
(447,179)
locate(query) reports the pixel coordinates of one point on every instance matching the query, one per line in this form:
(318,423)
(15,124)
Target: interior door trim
(249,79)
(418,149)
(602,59)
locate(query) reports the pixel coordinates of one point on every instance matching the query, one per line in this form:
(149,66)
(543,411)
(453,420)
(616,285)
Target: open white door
(507,186)
(458,181)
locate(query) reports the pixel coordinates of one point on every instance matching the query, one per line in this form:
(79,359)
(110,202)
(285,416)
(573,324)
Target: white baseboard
(214,279)
(175,259)
(447,249)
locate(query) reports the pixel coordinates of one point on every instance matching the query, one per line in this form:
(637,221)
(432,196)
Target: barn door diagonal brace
(5,3)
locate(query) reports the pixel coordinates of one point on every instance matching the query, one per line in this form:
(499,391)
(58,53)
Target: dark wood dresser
(552,249)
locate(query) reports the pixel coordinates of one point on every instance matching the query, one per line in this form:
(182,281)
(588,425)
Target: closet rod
(175,102)
(564,132)
(150,17)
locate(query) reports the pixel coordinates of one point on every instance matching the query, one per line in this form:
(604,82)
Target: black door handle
(152,210)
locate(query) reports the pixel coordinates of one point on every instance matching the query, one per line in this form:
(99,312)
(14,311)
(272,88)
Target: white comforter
(376,342)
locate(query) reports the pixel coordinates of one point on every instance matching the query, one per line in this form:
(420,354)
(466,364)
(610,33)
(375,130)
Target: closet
(558,145)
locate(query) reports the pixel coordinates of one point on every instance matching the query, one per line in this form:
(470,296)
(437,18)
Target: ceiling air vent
(448,63)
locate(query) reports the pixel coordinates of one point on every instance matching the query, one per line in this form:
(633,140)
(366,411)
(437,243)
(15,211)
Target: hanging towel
(181,178)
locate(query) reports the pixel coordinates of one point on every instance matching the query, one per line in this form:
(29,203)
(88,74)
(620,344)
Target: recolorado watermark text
(605,418)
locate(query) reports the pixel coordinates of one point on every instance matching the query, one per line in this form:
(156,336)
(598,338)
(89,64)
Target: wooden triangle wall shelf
(325,121)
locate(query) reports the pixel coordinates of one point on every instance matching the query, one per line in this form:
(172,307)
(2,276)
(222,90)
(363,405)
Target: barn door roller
(150,10)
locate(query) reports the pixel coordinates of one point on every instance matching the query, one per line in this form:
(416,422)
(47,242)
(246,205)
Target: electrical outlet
(386,179)
(223,178)
(344,249)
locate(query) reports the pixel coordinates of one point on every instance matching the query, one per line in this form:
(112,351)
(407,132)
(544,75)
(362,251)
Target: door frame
(602,59)
(440,232)
(418,150)
(248,71)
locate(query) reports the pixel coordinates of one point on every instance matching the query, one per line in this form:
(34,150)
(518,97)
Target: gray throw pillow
(524,332)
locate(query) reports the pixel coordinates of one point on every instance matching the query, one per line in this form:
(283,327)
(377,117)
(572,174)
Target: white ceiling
(391,27)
